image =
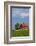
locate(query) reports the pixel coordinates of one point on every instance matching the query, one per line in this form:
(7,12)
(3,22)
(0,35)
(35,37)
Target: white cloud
(24,15)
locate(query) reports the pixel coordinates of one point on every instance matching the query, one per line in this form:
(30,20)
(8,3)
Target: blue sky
(20,15)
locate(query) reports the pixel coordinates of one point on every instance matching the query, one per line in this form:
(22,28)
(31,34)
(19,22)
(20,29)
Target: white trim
(30,24)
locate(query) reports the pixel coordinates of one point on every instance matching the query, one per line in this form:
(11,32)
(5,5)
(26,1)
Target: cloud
(22,15)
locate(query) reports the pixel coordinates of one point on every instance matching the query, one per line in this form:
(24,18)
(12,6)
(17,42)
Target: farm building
(24,26)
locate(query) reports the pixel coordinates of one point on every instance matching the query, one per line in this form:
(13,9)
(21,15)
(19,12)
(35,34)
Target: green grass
(20,33)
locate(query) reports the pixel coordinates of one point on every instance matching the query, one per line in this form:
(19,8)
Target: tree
(17,26)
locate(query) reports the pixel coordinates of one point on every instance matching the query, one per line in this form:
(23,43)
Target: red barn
(23,26)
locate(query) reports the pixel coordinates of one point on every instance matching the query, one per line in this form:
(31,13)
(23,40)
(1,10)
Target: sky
(20,15)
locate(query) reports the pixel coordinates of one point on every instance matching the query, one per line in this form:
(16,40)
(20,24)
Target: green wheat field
(20,32)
